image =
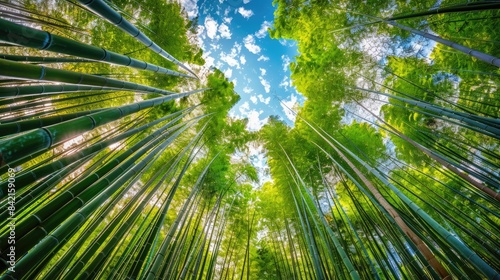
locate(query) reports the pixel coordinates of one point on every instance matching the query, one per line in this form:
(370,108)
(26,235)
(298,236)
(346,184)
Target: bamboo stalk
(105,11)
(34,72)
(41,59)
(463,250)
(24,179)
(477,54)
(34,38)
(21,146)
(446,164)
(467,7)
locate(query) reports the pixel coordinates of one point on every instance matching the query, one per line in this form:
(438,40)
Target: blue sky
(233,35)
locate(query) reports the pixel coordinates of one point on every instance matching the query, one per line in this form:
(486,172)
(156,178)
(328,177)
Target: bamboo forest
(120,156)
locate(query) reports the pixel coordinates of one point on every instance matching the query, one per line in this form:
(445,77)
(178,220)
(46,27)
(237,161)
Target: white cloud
(236,48)
(287,43)
(247,90)
(289,104)
(286,61)
(263,29)
(211,27)
(245,13)
(244,107)
(254,99)
(224,31)
(246,1)
(227,20)
(265,83)
(230,59)
(209,61)
(263,57)
(254,122)
(264,100)
(228,73)
(235,81)
(285,83)
(190,7)
(249,42)
(214,47)
(262,71)
(243,60)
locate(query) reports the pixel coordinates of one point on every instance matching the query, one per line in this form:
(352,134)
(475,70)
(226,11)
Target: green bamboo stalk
(25,201)
(212,263)
(307,234)
(293,253)
(383,203)
(474,53)
(105,11)
(459,246)
(422,247)
(217,233)
(122,223)
(197,246)
(152,237)
(24,179)
(345,259)
(41,103)
(157,227)
(59,268)
(343,214)
(423,89)
(35,227)
(247,248)
(151,270)
(101,215)
(475,122)
(20,7)
(15,91)
(41,59)
(34,38)
(490,121)
(450,155)
(444,162)
(42,111)
(467,7)
(89,203)
(89,184)
(34,72)
(20,146)
(187,231)
(132,255)
(77,268)
(160,221)
(25,125)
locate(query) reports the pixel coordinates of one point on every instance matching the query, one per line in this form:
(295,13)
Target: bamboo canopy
(111,167)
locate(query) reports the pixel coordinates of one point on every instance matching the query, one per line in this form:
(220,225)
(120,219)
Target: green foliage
(174,202)
(364,140)
(218,100)
(343,47)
